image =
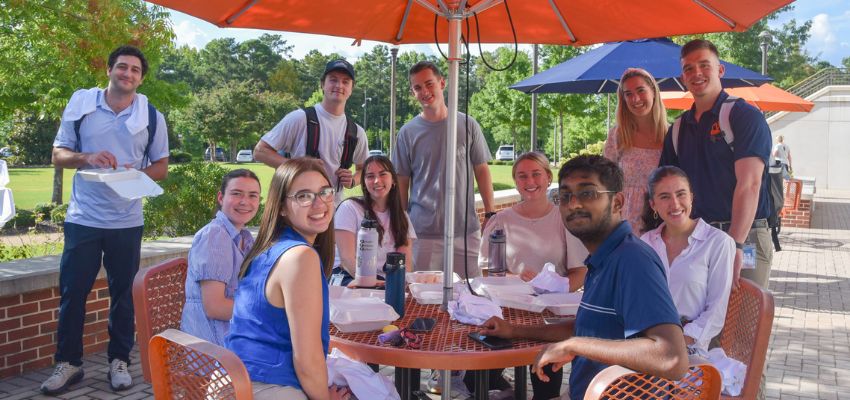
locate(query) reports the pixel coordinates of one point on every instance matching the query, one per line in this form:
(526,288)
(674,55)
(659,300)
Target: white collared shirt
(700,278)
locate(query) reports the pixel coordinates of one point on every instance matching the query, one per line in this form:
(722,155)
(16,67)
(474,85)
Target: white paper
(359,378)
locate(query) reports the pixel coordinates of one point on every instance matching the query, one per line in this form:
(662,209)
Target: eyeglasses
(400,338)
(583,196)
(305,198)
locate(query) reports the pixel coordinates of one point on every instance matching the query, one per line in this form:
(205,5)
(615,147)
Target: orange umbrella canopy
(765,97)
(574,22)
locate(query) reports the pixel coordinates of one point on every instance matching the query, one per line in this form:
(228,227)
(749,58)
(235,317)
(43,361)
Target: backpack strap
(152,122)
(313,131)
(349,144)
(723,120)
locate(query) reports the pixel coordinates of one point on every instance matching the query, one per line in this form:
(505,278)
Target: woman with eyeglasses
(280,318)
(381,202)
(635,141)
(535,235)
(698,256)
(216,255)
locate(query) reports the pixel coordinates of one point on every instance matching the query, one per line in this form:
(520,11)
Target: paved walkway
(809,356)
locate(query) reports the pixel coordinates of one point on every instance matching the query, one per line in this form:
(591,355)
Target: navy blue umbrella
(599,70)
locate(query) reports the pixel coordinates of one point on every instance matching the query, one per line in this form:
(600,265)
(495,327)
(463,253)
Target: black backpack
(152,120)
(313,131)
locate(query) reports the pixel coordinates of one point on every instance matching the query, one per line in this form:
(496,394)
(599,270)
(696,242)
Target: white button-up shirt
(700,279)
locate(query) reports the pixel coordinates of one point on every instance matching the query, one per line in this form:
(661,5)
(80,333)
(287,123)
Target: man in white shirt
(782,154)
(290,134)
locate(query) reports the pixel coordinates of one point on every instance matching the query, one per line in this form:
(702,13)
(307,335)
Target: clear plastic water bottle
(366,263)
(497,254)
(394,270)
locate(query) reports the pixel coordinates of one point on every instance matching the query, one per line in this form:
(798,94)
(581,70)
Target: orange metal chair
(746,332)
(158,297)
(793,188)
(186,367)
(702,381)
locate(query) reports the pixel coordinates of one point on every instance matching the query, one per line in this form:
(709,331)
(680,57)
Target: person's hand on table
(339,392)
(689,340)
(498,327)
(556,354)
(527,275)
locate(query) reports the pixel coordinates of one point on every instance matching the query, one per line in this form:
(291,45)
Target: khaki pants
(267,391)
(428,254)
(760,237)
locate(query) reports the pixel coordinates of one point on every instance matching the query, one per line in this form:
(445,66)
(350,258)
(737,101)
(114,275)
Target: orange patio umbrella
(765,97)
(572,22)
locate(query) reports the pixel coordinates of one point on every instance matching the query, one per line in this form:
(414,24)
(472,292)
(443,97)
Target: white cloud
(190,34)
(822,30)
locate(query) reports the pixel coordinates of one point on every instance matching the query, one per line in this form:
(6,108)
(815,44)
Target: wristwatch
(489,214)
(739,245)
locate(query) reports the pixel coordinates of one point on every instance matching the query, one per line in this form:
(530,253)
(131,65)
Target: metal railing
(823,78)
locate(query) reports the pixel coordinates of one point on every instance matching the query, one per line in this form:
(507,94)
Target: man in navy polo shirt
(626,316)
(729,180)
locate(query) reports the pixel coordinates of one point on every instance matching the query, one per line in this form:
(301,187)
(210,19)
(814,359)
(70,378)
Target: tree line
(229,93)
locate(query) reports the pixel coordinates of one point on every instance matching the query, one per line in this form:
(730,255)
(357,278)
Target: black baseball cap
(339,65)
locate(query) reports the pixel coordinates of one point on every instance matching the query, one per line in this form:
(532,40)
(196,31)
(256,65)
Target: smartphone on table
(491,342)
(422,325)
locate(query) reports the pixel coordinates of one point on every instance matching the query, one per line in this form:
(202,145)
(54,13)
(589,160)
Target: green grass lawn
(31,186)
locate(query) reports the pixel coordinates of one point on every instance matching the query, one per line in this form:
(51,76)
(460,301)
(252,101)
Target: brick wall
(28,327)
(800,217)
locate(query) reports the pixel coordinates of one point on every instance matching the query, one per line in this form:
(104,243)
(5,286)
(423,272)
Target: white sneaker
(118,375)
(64,375)
(459,390)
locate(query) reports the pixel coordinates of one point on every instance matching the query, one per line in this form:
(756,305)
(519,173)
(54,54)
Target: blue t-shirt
(259,332)
(710,162)
(94,204)
(625,293)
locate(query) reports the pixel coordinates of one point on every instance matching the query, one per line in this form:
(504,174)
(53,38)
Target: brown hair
(535,156)
(698,44)
(236,173)
(626,122)
(648,216)
(272,223)
(423,65)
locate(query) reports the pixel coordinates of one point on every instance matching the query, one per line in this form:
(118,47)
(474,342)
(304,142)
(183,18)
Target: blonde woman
(635,142)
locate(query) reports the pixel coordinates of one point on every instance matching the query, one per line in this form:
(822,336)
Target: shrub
(57,215)
(179,157)
(187,202)
(23,219)
(8,252)
(42,211)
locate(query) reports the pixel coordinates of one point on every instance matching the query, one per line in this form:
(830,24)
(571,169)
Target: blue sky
(830,32)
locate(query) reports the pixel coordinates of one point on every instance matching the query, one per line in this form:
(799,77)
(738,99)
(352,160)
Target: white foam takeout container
(561,303)
(130,184)
(432,293)
(525,302)
(428,277)
(361,314)
(494,286)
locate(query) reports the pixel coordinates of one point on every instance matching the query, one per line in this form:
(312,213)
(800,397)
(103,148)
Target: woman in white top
(381,201)
(697,256)
(533,228)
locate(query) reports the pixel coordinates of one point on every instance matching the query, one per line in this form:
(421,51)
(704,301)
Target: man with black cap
(296,133)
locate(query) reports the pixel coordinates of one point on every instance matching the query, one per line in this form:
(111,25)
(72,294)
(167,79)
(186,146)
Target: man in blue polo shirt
(729,180)
(626,316)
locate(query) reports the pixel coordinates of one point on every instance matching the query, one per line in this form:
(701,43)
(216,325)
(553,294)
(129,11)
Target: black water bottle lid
(395,258)
(368,223)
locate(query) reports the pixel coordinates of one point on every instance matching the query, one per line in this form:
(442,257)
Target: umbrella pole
(451,155)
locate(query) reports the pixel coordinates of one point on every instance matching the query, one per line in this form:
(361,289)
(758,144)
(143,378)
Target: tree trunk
(57,185)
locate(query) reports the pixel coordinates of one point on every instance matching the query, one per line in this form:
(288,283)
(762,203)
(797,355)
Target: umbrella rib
(716,13)
(403,21)
(229,20)
(562,20)
(484,5)
(430,7)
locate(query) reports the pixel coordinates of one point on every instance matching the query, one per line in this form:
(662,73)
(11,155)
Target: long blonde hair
(272,224)
(627,123)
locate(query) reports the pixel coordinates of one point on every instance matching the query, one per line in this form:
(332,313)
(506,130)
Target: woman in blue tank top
(280,314)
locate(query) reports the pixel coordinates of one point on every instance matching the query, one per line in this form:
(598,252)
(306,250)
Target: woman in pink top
(635,142)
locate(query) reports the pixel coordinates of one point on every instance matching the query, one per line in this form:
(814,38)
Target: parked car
(505,153)
(244,156)
(220,155)
(376,153)
(6,152)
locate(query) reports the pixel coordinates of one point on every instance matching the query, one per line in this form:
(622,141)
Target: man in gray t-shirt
(420,160)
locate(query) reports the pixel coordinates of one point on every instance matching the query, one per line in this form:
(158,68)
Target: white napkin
(84,102)
(549,281)
(360,379)
(473,310)
(732,371)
